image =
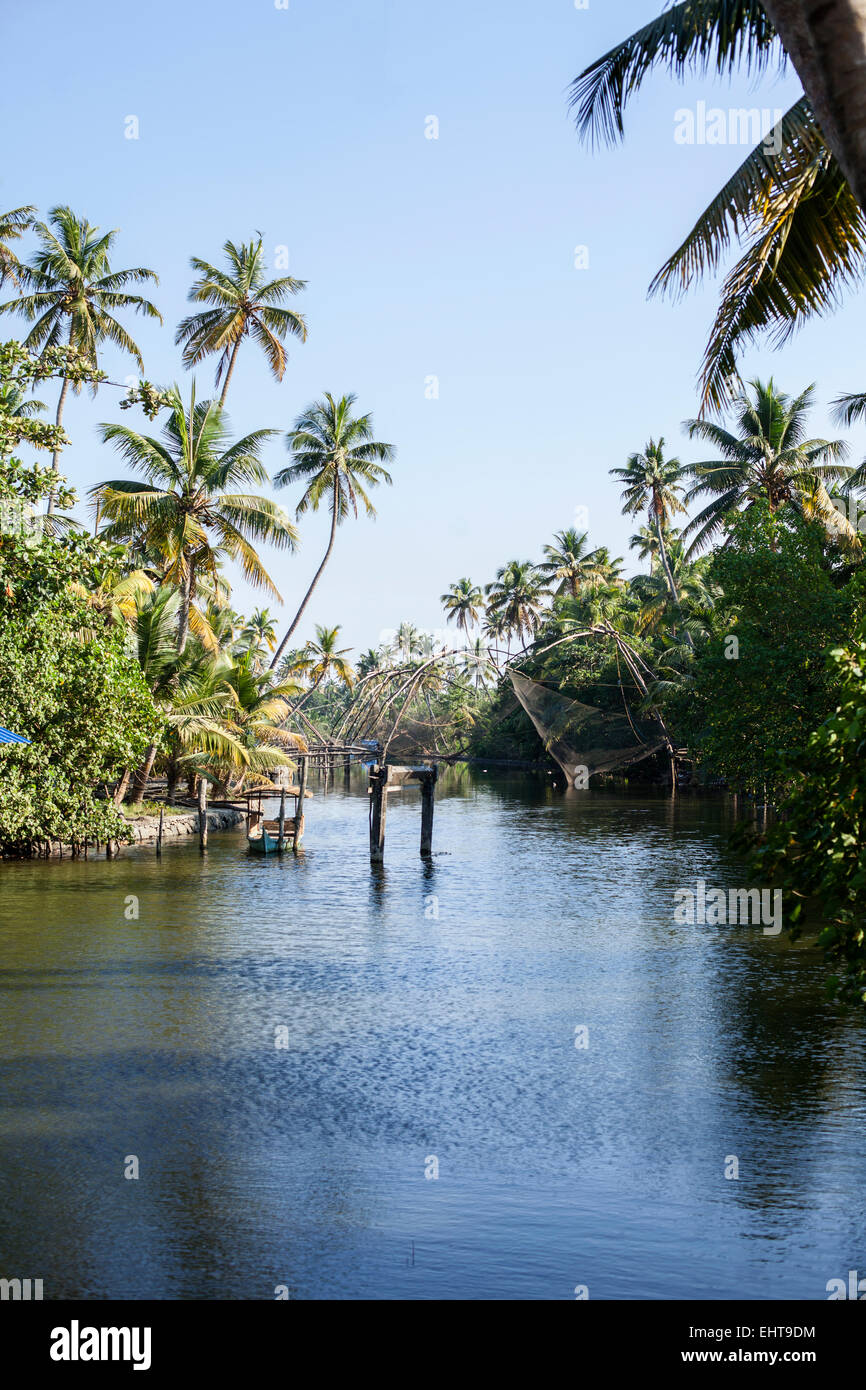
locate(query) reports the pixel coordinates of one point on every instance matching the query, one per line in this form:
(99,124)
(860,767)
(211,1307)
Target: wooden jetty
(385,779)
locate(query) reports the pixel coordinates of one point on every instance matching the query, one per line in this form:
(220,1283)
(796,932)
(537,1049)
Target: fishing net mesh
(581,738)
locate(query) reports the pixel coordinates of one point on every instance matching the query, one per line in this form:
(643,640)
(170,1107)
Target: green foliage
(70,688)
(20,371)
(743,715)
(818,849)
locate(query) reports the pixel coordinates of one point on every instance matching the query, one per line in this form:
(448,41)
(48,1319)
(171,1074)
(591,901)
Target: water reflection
(426,1008)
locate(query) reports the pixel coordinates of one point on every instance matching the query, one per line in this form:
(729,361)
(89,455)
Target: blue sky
(451,258)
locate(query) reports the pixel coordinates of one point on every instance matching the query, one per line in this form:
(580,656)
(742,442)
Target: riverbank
(144,830)
(177,827)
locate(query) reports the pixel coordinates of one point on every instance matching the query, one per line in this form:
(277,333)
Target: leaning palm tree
(652,483)
(769,457)
(570,564)
(72,295)
(463,604)
(245,304)
(188,508)
(13,224)
(334,452)
(790,199)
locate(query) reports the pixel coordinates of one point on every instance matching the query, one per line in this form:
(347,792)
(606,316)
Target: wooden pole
(299,809)
(202,814)
(378,809)
(159,832)
(428,785)
(282,817)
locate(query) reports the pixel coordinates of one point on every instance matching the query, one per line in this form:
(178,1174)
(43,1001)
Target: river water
(340,1082)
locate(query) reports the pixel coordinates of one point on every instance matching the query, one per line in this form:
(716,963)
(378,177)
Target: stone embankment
(146,828)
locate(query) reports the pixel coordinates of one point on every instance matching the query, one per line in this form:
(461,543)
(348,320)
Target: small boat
(261,842)
(265,838)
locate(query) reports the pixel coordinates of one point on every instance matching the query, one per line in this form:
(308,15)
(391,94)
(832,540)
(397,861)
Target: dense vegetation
(122,658)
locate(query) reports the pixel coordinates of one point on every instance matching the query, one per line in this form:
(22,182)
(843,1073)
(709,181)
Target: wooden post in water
(282,817)
(378,809)
(202,814)
(159,832)
(299,809)
(428,786)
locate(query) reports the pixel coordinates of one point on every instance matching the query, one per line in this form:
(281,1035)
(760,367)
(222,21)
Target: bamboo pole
(202,814)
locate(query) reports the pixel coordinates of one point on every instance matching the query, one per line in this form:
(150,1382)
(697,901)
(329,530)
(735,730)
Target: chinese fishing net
(581,738)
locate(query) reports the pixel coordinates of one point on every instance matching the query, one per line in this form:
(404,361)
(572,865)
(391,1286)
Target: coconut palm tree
(13,224)
(323,660)
(258,635)
(652,483)
(463,604)
(792,198)
(73,293)
(258,713)
(369,661)
(407,642)
(769,457)
(516,595)
(334,452)
(154,625)
(476,663)
(189,507)
(653,594)
(570,564)
(245,304)
(646,543)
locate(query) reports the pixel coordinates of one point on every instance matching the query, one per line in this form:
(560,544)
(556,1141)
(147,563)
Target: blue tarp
(7,736)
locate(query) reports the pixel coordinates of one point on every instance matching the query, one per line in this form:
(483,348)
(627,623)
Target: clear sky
(452,258)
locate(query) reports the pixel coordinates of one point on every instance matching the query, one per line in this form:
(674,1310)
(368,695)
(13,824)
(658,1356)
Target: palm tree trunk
(232,361)
(669,574)
(58,420)
(317,576)
(826,42)
(663,556)
(183,614)
(120,790)
(142,775)
(305,697)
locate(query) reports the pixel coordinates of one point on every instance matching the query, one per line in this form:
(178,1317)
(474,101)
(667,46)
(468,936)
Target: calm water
(429,1012)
